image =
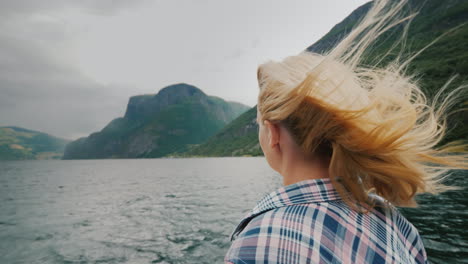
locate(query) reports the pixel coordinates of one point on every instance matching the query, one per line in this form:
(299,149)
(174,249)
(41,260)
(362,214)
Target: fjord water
(164,210)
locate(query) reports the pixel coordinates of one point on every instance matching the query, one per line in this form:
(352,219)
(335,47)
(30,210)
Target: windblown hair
(380,131)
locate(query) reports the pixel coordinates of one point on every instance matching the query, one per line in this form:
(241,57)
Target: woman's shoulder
(332,214)
(284,231)
(329,230)
(264,236)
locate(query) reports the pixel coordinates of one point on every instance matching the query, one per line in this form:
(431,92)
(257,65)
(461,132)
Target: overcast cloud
(68,67)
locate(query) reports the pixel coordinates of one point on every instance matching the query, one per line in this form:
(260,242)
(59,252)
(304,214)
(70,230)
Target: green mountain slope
(155,125)
(445,58)
(239,138)
(20,144)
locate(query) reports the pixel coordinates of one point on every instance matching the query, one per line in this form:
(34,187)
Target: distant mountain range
(182,121)
(154,126)
(20,144)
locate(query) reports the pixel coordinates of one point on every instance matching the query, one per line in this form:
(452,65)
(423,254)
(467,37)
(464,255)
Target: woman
(351,142)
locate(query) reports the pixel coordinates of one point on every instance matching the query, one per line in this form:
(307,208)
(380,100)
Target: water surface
(163,210)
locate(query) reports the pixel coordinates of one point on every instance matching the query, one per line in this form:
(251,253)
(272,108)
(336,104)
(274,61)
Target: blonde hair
(380,129)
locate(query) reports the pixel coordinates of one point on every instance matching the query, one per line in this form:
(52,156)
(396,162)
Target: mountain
(445,58)
(239,138)
(154,125)
(21,144)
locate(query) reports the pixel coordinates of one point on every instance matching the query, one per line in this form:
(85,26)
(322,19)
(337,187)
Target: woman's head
(309,95)
(374,124)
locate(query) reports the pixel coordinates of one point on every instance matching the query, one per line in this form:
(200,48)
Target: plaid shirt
(308,222)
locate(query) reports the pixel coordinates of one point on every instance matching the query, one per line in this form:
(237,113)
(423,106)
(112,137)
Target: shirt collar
(303,192)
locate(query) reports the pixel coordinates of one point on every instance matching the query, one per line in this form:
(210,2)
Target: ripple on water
(44,237)
(83,223)
(138,200)
(2,223)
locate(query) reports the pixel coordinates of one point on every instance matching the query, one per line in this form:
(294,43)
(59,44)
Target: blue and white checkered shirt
(308,222)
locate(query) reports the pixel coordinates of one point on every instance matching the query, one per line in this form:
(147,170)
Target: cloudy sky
(68,67)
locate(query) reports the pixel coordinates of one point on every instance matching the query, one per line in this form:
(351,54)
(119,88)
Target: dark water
(442,221)
(163,210)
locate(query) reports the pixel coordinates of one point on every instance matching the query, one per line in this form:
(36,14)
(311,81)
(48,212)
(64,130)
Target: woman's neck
(297,168)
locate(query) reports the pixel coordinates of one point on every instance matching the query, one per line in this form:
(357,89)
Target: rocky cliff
(154,125)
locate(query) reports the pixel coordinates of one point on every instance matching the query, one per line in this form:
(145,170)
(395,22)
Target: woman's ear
(273,132)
